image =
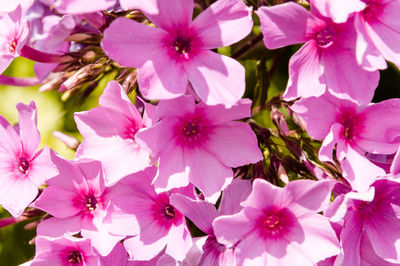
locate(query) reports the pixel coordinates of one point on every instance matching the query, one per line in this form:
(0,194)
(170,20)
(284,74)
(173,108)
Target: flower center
(275,223)
(91,202)
(131,131)
(182,45)
(12,45)
(169,211)
(74,257)
(324,37)
(23,165)
(190,129)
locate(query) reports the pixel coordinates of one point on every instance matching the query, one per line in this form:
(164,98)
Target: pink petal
(245,150)
(305,196)
(334,137)
(359,177)
(82,6)
(139,43)
(101,239)
(148,6)
(263,195)
(162,78)
(28,127)
(385,38)
(179,242)
(368,56)
(284,24)
(114,97)
(140,251)
(305,63)
(395,167)
(350,239)
(172,15)
(381,134)
(223,23)
(58,202)
(201,213)
(207,173)
(233,195)
(55,227)
(216,79)
(168,108)
(172,171)
(226,228)
(16,193)
(41,167)
(338,10)
(342,63)
(220,114)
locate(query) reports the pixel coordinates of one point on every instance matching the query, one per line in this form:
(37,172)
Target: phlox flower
(162,226)
(22,169)
(328,58)
(203,213)
(280,226)
(65,251)
(109,133)
(14,34)
(177,51)
(78,201)
(11,5)
(193,143)
(371,223)
(353,130)
(378,29)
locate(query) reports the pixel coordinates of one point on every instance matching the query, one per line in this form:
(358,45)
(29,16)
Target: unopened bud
(69,141)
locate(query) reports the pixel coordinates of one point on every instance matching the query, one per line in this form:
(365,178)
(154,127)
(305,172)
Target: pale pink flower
(109,133)
(328,58)
(22,169)
(78,201)
(193,143)
(280,226)
(354,130)
(177,51)
(370,222)
(14,34)
(64,251)
(377,28)
(11,5)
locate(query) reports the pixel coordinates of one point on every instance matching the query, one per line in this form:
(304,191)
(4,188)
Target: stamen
(91,202)
(169,211)
(23,165)
(74,257)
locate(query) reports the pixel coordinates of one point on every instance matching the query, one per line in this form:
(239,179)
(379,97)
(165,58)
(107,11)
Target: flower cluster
(188,175)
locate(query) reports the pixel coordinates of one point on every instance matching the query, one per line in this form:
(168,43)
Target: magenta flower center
(169,211)
(352,124)
(324,37)
(91,202)
(131,131)
(182,45)
(275,223)
(190,129)
(74,257)
(23,165)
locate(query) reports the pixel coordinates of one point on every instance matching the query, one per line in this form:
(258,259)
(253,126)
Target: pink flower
(109,134)
(161,224)
(11,5)
(328,58)
(355,130)
(203,213)
(177,51)
(64,251)
(194,143)
(377,28)
(22,169)
(79,201)
(370,222)
(280,226)
(14,34)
